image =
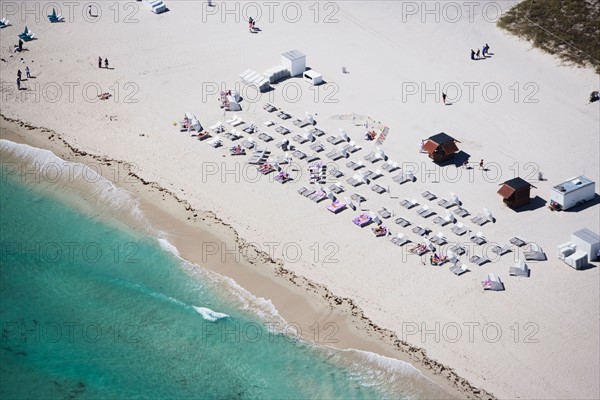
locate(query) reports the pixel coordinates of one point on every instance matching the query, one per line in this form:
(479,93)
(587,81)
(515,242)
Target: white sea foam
(257,306)
(391,375)
(209,314)
(50,174)
(73,183)
(168,246)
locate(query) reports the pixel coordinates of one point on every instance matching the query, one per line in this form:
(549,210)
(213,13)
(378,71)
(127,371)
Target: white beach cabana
(294,61)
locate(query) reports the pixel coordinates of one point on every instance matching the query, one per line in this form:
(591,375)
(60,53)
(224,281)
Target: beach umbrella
(489,215)
(429,245)
(344,135)
(375,218)
(455,199)
(350,203)
(451,256)
(310,118)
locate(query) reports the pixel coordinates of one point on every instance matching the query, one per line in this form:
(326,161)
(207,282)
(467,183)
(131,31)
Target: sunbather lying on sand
(380,231)
(437,259)
(419,248)
(105,96)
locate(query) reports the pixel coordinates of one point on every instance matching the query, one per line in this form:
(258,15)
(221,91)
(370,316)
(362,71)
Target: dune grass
(569,29)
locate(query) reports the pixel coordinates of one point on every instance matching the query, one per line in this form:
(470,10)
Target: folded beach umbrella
(429,245)
(375,218)
(451,256)
(350,203)
(344,135)
(489,215)
(455,199)
(310,118)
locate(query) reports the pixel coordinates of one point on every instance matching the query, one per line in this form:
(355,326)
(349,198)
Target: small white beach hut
(294,61)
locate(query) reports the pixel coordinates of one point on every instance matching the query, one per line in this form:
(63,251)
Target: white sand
(171,57)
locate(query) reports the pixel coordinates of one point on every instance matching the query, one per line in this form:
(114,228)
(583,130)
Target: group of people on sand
(483,53)
(100,62)
(19,76)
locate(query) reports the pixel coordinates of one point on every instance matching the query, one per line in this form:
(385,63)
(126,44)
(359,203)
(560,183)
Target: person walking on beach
(19,74)
(444,97)
(99,62)
(20,45)
(106,63)
(250,25)
(477,54)
(481,164)
(472,54)
(27,72)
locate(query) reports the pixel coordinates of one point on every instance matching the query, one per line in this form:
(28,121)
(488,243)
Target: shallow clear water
(91,310)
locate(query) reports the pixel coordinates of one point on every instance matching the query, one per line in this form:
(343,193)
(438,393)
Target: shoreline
(296,298)
(522,111)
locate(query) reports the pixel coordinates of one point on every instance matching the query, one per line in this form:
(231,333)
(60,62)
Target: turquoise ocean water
(91,308)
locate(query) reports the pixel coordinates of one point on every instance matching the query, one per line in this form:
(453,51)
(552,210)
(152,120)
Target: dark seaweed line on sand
(416,354)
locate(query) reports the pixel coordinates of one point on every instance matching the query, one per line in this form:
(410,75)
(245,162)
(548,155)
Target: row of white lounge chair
(388,166)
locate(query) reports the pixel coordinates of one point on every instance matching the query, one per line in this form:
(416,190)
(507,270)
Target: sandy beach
(519,110)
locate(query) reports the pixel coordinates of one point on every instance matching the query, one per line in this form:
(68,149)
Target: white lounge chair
(390,166)
(400,240)
(458,268)
(425,211)
(459,229)
(534,253)
(428,195)
(378,189)
(403,222)
(479,260)
(520,269)
(217,128)
(478,239)
(492,283)
(439,239)
(501,250)
(409,203)
(479,220)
